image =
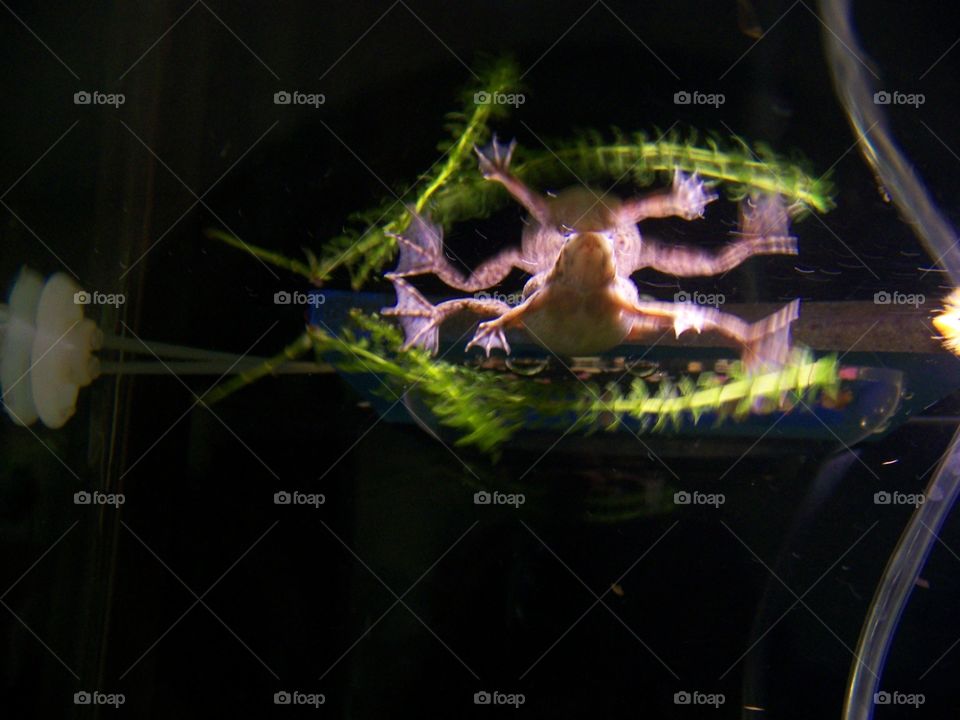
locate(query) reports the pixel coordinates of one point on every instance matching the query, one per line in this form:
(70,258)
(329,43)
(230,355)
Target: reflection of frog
(581,249)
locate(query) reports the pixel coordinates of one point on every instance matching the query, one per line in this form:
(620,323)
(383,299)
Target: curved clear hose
(845,59)
(850,80)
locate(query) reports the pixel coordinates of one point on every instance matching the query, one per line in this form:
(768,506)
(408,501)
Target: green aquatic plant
(487,408)
(454,191)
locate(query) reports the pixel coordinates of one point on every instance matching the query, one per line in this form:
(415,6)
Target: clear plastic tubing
(852,84)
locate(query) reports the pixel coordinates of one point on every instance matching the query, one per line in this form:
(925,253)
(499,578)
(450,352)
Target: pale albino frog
(581,248)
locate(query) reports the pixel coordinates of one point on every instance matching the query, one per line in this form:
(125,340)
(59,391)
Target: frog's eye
(566,231)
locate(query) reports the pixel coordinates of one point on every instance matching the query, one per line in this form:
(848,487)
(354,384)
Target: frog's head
(586,261)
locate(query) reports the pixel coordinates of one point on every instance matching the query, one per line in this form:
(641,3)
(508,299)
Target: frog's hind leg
(765,342)
(689,262)
(688,198)
(421,252)
(495,165)
(421,321)
(764,230)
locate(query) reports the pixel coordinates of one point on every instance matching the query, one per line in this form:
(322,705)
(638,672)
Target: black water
(499,599)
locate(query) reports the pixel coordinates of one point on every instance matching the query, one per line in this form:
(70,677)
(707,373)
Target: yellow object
(948,322)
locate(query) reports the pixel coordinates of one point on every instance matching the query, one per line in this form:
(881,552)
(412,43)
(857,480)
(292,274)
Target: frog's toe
(691,194)
(495,157)
(692,318)
(490,336)
(421,245)
(418,318)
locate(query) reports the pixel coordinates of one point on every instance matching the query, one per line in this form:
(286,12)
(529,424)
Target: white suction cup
(47,346)
(46,354)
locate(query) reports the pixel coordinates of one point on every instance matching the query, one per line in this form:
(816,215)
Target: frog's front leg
(490,334)
(688,198)
(421,252)
(421,321)
(495,165)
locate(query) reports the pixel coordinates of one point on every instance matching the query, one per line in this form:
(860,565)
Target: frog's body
(581,248)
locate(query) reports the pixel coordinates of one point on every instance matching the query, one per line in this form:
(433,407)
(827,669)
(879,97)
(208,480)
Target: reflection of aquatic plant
(455,191)
(487,408)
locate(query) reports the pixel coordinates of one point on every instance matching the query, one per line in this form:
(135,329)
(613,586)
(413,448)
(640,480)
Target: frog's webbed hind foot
(421,248)
(765,216)
(769,342)
(421,321)
(422,253)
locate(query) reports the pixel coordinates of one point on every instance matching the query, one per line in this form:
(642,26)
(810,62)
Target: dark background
(199,485)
